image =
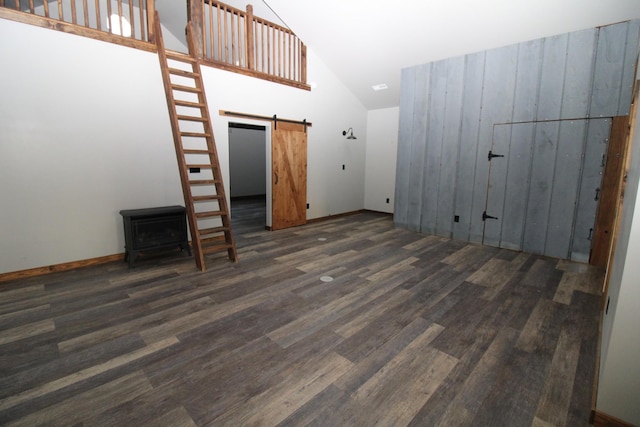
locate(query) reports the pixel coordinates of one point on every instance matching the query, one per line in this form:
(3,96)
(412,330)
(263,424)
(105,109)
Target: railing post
(303,64)
(151,16)
(248,24)
(195,12)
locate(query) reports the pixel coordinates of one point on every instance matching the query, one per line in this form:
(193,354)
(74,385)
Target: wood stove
(154,228)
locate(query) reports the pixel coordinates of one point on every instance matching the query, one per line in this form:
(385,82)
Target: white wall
(329,107)
(382,146)
(619,383)
(84,133)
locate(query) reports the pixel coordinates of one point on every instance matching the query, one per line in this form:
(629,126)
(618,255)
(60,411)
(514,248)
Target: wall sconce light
(350,131)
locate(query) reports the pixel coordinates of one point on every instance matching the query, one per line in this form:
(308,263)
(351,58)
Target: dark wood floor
(412,330)
(248,214)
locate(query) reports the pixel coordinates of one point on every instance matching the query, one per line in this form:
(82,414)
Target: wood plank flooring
(411,330)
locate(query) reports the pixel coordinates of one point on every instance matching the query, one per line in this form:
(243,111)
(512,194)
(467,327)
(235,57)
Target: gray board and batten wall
(544,107)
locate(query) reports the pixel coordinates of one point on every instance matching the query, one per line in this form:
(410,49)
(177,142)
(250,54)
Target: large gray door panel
(598,131)
(497,105)
(403,162)
(543,191)
(498,170)
(564,193)
(433,147)
(519,171)
(418,138)
(450,146)
(469,133)
(542,169)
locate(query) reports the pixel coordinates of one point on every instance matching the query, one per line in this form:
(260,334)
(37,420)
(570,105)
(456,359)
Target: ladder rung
(192,118)
(206,198)
(204,182)
(196,134)
(186,88)
(207,231)
(210,214)
(188,104)
(192,151)
(216,248)
(214,239)
(203,166)
(182,73)
(177,56)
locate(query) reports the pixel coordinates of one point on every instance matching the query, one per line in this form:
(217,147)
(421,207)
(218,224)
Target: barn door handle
(491,155)
(276,173)
(486,217)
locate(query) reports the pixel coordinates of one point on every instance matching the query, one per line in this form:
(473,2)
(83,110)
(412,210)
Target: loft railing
(236,40)
(121,21)
(225,37)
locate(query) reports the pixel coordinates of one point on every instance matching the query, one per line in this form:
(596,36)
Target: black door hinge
(486,217)
(491,155)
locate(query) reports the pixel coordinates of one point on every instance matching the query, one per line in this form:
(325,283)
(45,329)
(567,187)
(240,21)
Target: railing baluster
(85,9)
(132,20)
(74,18)
(226,42)
(151,12)
(249,41)
(141,9)
(272,66)
(31,8)
(239,44)
(17,5)
(299,76)
(211,30)
(202,35)
(279,54)
(98,21)
(265,48)
(46,9)
(60,14)
(219,55)
(120,17)
(290,76)
(233,41)
(109,23)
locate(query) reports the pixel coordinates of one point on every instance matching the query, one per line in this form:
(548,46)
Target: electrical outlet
(342,167)
(456,218)
(307,205)
(387,200)
(194,170)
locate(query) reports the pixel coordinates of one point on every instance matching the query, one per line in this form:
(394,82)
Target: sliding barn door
(544,185)
(289,175)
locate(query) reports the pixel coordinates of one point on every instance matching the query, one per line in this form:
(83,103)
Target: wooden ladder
(206,204)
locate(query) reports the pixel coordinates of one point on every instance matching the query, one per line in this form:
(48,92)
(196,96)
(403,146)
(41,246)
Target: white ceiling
(367,42)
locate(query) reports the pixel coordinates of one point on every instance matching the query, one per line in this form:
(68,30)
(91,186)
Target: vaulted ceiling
(368,42)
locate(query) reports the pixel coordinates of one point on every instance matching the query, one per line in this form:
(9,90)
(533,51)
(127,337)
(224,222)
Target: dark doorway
(248,181)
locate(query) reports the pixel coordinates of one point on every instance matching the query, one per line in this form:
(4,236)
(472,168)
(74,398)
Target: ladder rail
(226,240)
(213,151)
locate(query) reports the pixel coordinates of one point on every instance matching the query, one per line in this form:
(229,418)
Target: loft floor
(413,330)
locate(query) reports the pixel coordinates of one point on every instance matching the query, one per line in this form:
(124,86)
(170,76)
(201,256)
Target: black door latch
(491,155)
(486,217)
